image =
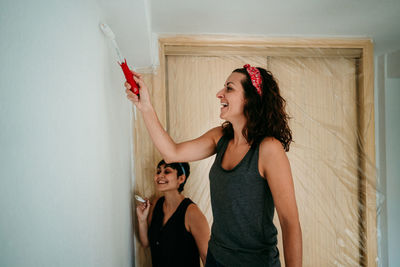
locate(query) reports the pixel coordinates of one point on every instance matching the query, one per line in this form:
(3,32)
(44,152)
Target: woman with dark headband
(251,175)
(173,225)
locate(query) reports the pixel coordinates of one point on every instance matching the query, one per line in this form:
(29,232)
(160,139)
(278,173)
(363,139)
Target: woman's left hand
(142,211)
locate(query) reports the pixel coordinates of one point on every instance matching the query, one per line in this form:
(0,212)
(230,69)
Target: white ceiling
(375,19)
(378,19)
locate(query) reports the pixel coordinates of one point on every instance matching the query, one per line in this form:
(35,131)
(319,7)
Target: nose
(220,93)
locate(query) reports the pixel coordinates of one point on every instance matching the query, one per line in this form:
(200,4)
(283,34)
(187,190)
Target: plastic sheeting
(331,115)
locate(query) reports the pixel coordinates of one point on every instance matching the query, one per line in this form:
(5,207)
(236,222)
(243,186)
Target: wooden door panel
(327,96)
(321,99)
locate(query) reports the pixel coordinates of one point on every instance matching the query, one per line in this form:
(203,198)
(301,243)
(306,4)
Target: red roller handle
(129,77)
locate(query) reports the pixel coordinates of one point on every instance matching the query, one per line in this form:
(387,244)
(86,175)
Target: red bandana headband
(255,77)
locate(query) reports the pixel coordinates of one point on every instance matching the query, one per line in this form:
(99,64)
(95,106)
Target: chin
(163,189)
(222,116)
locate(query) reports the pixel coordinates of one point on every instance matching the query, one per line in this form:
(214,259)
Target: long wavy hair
(265,114)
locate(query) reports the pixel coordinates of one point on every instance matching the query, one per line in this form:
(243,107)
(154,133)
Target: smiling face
(232,98)
(166,178)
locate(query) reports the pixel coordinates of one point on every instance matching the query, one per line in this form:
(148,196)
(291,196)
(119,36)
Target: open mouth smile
(161,181)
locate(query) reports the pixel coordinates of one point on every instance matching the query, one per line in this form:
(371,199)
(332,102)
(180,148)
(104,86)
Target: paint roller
(140,199)
(122,61)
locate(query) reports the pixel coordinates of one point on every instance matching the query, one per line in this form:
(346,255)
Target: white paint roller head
(110,35)
(107,30)
(122,61)
(140,199)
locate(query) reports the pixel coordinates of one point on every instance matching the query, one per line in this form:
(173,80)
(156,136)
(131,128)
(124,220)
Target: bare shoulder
(195,219)
(272,157)
(193,211)
(215,133)
(193,214)
(271,147)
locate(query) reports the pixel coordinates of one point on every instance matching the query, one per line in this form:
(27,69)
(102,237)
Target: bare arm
(199,148)
(197,225)
(144,212)
(275,167)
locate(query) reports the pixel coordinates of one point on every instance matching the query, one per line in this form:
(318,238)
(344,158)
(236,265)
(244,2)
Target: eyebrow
(229,83)
(168,166)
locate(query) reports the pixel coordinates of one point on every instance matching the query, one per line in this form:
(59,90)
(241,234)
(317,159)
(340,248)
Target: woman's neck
(172,199)
(238,138)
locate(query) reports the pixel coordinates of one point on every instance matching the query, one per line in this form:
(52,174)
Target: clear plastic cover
(331,119)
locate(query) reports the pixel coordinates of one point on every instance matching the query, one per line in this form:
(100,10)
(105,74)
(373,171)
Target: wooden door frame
(361,49)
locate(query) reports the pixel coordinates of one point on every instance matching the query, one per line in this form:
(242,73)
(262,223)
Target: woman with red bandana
(251,175)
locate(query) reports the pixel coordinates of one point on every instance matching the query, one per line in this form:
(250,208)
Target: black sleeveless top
(242,233)
(172,245)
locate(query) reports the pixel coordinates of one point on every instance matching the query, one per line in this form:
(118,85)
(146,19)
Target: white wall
(387,99)
(130,20)
(65,175)
(392,112)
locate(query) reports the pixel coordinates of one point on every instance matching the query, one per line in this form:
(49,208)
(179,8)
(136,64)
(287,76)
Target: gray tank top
(242,233)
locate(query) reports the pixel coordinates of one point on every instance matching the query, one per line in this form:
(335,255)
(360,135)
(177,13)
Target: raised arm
(199,148)
(274,166)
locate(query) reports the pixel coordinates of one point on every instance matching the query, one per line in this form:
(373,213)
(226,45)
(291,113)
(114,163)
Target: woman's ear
(181,178)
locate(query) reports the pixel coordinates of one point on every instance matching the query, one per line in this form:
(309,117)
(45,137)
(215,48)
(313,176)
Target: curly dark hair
(181,168)
(265,114)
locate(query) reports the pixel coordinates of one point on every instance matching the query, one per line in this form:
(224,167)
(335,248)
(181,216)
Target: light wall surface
(387,125)
(392,112)
(65,175)
(380,148)
(130,21)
